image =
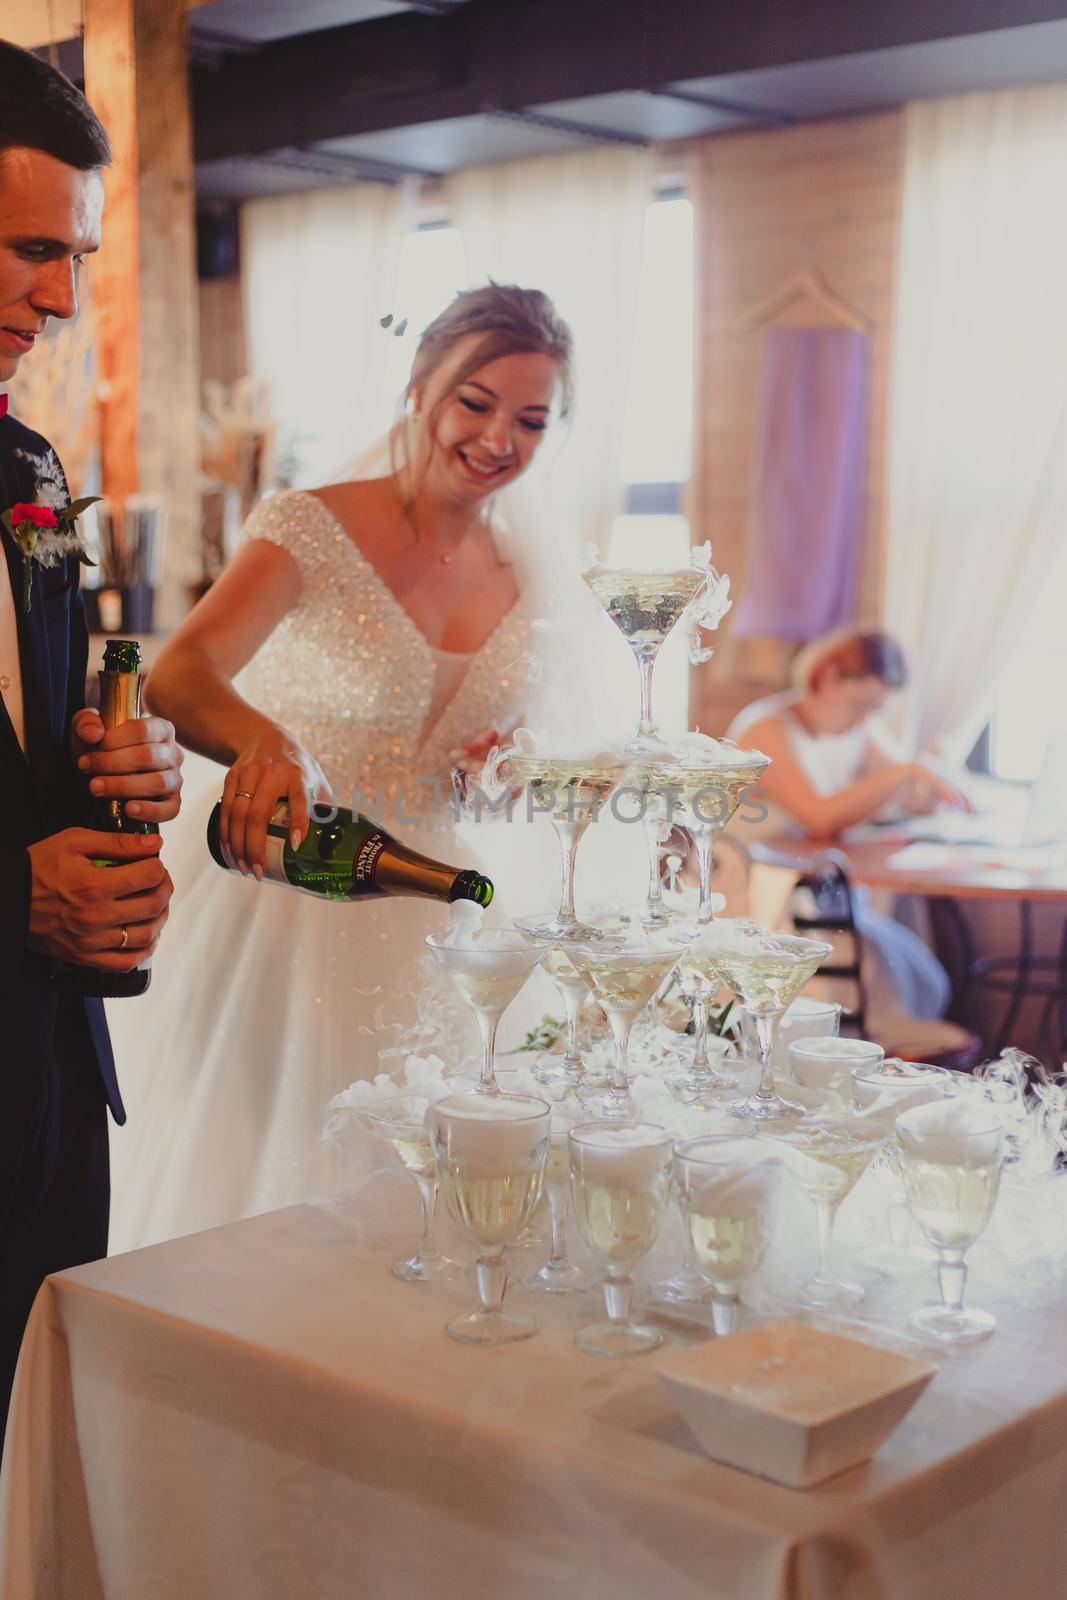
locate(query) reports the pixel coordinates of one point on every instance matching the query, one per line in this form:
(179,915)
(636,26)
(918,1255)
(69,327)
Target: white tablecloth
(264,1413)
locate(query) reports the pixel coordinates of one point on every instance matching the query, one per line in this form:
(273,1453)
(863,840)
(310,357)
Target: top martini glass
(644,606)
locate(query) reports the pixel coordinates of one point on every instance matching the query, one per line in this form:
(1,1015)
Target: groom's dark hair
(42,110)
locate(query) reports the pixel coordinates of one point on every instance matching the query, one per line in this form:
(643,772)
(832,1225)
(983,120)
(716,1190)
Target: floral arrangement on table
(237,438)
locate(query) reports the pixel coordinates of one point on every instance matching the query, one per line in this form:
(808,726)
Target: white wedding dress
(264,1003)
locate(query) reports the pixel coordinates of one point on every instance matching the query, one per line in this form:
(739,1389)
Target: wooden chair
(822,906)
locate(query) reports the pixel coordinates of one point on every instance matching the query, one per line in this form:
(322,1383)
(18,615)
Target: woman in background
(833,766)
(366,638)
(833,763)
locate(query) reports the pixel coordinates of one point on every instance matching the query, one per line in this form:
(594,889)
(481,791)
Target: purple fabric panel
(806,496)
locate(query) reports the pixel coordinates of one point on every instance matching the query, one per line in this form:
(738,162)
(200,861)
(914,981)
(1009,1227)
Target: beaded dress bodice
(349,672)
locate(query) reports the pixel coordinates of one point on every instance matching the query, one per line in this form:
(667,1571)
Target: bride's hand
(469,759)
(271,768)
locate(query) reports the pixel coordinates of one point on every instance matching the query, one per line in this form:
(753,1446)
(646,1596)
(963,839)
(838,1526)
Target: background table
(263,1412)
(977,894)
(970,872)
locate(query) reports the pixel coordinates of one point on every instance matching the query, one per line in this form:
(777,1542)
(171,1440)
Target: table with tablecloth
(264,1411)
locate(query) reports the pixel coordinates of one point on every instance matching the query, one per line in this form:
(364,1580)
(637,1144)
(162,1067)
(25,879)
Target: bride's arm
(193,680)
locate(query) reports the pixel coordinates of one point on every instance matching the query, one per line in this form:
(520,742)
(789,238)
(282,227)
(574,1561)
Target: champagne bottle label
(349,857)
(367,860)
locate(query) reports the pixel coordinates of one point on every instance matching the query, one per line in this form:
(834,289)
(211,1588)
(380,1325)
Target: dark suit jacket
(40,793)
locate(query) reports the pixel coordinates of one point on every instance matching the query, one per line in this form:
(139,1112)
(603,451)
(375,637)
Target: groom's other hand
(79,912)
(138,762)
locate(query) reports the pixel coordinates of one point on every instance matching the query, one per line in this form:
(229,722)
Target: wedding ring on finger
(243,794)
(125,938)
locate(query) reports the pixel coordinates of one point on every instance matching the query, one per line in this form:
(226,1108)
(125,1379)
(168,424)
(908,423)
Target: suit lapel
(34,655)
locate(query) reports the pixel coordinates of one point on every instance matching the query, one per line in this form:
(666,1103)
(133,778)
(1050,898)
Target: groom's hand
(79,912)
(138,762)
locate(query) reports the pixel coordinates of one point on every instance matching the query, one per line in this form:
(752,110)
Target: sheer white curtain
(318,273)
(573,226)
(978,445)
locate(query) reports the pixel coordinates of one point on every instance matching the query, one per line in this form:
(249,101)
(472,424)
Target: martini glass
(559,1273)
(657,832)
(706,796)
(622,973)
(571,794)
(645,606)
(699,980)
(827,1158)
(488,972)
(400,1119)
(765,972)
(572,990)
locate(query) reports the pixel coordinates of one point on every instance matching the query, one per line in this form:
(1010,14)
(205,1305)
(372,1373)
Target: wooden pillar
(144,280)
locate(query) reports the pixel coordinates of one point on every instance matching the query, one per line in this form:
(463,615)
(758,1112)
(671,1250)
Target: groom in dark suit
(56,907)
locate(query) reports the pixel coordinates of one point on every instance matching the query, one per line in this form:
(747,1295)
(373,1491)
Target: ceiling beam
(428,66)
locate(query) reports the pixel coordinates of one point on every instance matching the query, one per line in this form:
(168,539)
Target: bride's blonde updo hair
(853,653)
(509,321)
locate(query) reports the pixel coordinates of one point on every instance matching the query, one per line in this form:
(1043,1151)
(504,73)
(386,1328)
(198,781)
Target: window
(1031,681)
(657,445)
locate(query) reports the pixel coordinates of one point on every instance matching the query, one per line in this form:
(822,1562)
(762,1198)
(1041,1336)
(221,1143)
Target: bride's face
(483,433)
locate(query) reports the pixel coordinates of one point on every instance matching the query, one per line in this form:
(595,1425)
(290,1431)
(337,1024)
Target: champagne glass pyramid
(570,791)
(488,966)
(645,606)
(701,782)
(623,972)
(764,972)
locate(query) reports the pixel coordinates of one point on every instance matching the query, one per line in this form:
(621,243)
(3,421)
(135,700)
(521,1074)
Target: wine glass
(891,1088)
(951,1155)
(726,1186)
(570,793)
(620,1179)
(703,781)
(645,606)
(569,1068)
(765,972)
(623,972)
(827,1157)
(830,1063)
(400,1119)
(491,1156)
(488,967)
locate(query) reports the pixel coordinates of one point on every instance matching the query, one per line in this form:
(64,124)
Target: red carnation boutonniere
(45,534)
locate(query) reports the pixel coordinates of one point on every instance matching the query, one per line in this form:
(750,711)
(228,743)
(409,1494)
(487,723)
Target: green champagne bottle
(352,858)
(120,700)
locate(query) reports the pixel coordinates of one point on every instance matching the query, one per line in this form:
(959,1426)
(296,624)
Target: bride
(378,629)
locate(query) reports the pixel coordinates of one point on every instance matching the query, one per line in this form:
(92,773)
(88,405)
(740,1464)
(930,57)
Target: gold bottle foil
(120,701)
